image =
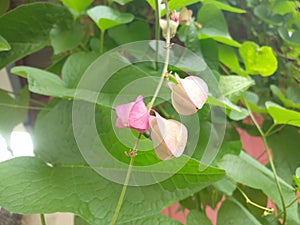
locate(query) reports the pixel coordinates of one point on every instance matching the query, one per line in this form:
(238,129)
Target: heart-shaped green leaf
(77,5)
(106,17)
(258,60)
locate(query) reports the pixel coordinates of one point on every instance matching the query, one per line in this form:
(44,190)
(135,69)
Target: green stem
(157,32)
(270,160)
(132,153)
(248,201)
(125,185)
(42,217)
(102,40)
(166,63)
(163,112)
(292,202)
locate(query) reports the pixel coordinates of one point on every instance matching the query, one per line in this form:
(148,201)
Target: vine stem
(102,40)
(125,185)
(157,32)
(166,63)
(43,220)
(270,160)
(249,201)
(292,202)
(132,153)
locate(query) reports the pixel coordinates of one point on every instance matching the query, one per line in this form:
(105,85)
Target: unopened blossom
(185,16)
(133,115)
(169,137)
(189,95)
(174,23)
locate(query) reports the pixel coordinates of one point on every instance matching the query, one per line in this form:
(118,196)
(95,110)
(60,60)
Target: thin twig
(270,160)
(249,201)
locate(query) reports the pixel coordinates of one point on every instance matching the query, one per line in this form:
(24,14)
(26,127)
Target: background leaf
(4,45)
(106,17)
(135,31)
(66,38)
(77,5)
(248,171)
(286,102)
(43,17)
(286,158)
(214,25)
(197,217)
(4,5)
(282,115)
(12,111)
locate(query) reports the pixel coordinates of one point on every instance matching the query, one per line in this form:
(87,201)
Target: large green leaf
(12,111)
(106,17)
(27,34)
(258,60)
(214,25)
(43,82)
(69,183)
(4,45)
(77,5)
(232,212)
(282,115)
(47,83)
(248,171)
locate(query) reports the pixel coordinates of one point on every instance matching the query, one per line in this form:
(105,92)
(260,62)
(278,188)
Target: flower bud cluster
(169,136)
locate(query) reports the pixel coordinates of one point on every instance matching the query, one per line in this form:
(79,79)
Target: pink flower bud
(189,94)
(175,16)
(133,115)
(169,137)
